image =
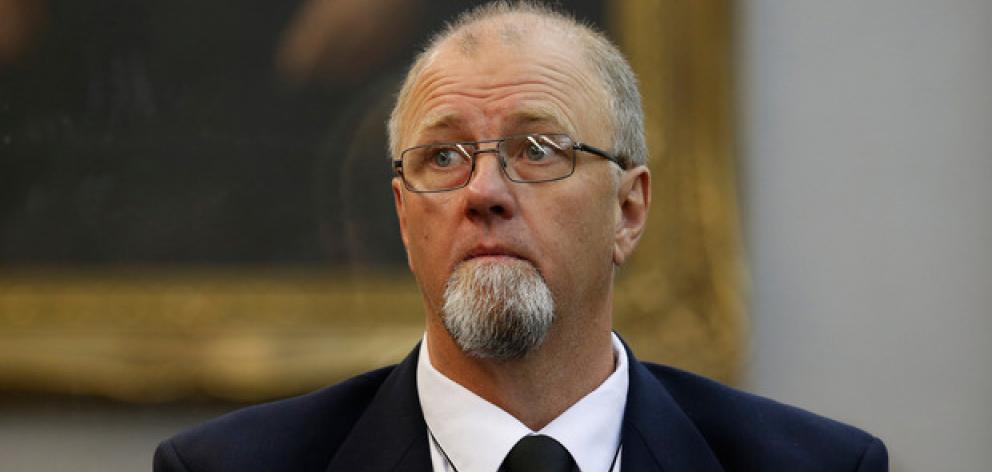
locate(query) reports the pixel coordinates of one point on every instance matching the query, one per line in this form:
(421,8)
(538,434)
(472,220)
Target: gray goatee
(497,310)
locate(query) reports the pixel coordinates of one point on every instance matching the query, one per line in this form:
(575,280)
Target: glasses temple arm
(599,152)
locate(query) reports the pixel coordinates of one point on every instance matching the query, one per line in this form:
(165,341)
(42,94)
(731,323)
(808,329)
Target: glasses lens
(437,166)
(539,157)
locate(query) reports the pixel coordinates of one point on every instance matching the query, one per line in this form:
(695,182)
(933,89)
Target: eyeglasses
(526,158)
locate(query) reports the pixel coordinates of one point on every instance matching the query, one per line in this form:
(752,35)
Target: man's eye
(537,153)
(445,157)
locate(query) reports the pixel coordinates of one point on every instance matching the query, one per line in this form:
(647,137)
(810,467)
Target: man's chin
(497,307)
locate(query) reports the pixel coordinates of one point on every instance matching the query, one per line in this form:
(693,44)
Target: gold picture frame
(261,333)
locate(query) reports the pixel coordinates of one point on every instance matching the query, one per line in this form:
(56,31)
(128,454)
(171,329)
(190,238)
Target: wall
(867,161)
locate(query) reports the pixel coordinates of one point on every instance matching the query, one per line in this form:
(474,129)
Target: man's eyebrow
(518,120)
(439,121)
(542,115)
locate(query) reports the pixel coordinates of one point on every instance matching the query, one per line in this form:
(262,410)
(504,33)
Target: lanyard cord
(452,464)
(439,448)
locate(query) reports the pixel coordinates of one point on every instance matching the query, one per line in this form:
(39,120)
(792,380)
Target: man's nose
(488,194)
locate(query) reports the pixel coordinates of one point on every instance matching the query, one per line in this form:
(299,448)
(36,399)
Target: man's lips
(492,251)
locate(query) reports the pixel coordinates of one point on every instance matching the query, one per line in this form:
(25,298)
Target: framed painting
(198,208)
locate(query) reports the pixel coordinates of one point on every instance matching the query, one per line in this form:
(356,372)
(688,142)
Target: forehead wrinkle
(579,78)
(536,105)
(556,75)
(428,81)
(553,86)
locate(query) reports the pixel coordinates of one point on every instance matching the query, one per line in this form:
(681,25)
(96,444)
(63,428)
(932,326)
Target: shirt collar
(477,435)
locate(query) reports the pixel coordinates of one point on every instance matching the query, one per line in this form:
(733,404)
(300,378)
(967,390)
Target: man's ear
(397,185)
(634,199)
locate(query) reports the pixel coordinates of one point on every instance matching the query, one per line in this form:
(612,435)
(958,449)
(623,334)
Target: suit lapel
(391,435)
(656,433)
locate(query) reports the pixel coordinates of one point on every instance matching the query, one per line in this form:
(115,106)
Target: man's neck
(539,387)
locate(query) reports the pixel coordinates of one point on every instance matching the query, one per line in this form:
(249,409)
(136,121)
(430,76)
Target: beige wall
(867,139)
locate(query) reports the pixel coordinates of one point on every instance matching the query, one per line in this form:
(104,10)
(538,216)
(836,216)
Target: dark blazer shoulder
(750,432)
(298,433)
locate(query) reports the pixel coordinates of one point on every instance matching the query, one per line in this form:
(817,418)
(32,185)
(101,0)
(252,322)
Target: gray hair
(618,80)
(497,311)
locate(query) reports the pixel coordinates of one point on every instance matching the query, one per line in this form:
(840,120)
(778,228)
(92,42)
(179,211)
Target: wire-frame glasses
(525,158)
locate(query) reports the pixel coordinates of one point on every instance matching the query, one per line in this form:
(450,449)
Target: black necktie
(538,454)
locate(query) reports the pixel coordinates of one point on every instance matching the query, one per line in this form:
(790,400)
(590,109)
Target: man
(521,185)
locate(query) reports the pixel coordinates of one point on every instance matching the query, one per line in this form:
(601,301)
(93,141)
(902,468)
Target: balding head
(526,26)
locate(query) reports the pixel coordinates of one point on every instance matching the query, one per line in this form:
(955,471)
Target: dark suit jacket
(674,421)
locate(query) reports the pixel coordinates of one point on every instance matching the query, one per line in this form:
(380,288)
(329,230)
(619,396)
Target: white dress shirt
(477,435)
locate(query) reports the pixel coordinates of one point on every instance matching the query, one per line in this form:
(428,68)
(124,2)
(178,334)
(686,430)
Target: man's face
(565,228)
